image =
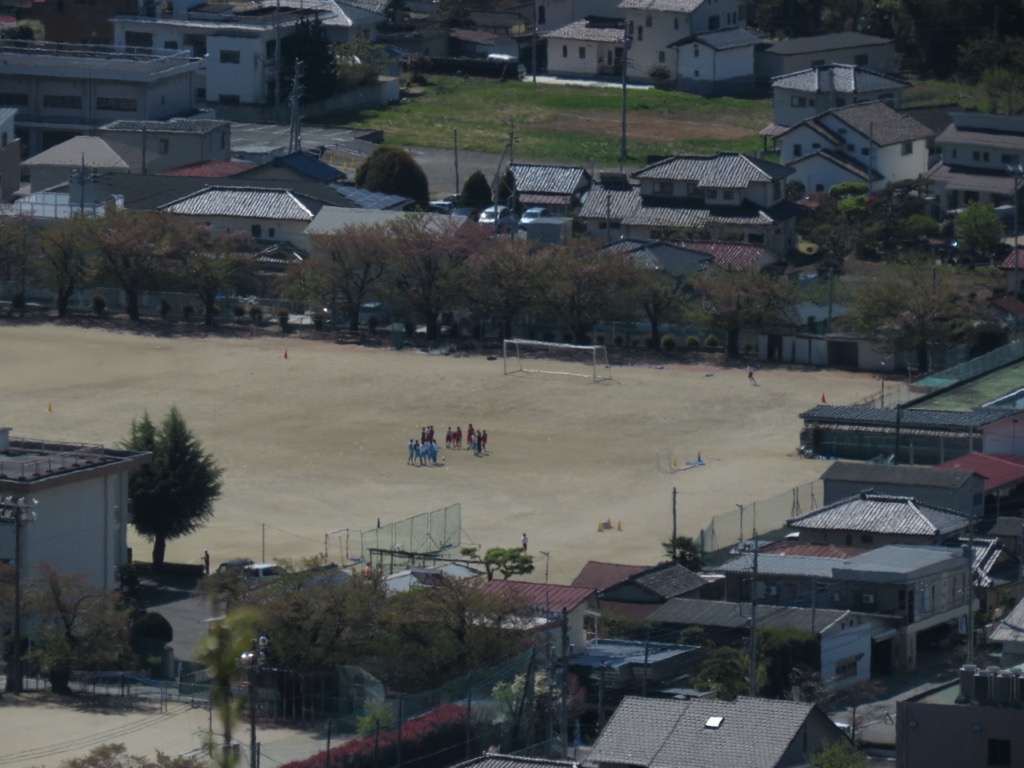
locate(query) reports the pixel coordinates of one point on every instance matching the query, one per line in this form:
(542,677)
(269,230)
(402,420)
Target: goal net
(527,356)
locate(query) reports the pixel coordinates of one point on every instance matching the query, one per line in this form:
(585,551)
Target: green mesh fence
(429,533)
(768,516)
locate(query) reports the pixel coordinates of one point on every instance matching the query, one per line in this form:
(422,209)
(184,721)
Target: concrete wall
(852,643)
(180,148)
(948,735)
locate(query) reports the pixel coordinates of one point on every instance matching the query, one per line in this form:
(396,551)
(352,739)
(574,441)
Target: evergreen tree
(476,192)
(174,494)
(309,45)
(392,170)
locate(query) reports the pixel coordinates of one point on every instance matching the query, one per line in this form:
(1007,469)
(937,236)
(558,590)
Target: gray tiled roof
(583,30)
(869,474)
(724,39)
(881,122)
(250,203)
(668,6)
(175,125)
(721,613)
(837,78)
(488,760)
(668,580)
(614,204)
(959,135)
(1010,629)
(825,43)
(754,733)
(548,179)
(878,513)
(895,559)
(727,169)
(910,418)
(90,151)
(803,566)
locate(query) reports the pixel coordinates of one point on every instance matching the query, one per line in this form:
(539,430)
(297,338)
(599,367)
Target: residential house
(1010,533)
(924,586)
(1011,268)
(554,14)
(846,637)
(61,91)
(982,727)
(550,603)
(674,260)
(978,151)
(297,166)
(733,257)
(1009,634)
(1002,474)
(81,519)
(652,26)
(716,63)
(942,486)
(153,146)
(627,593)
(801,95)
(480,43)
(728,196)
(799,53)
(555,187)
(870,143)
(210,169)
(57,164)
(76,22)
(491,759)
(586,48)
(996,570)
(876,520)
(10,154)
(649,733)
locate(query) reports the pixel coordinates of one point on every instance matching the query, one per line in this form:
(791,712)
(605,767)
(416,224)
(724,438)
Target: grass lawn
(568,124)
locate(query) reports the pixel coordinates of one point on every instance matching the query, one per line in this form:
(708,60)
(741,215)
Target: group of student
(423,452)
(476,439)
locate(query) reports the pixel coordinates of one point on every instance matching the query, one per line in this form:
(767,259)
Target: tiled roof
(895,559)
(548,179)
(782,565)
(940,476)
(583,30)
(494,760)
(210,169)
(1010,629)
(998,139)
(331,219)
(638,612)
(309,166)
(842,161)
(668,580)
(736,615)
(1014,259)
(824,43)
(733,255)
(91,151)
(659,733)
(598,575)
(837,78)
(883,124)
(373,6)
(480,36)
(614,204)
(666,6)
(540,597)
(250,203)
(910,418)
(791,548)
(656,254)
(993,566)
(724,170)
(974,179)
(724,39)
(877,513)
(999,470)
(174,125)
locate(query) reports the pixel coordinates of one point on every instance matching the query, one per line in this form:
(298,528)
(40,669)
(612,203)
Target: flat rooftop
(68,60)
(990,390)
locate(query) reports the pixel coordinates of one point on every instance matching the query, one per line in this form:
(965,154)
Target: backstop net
(528,356)
(429,533)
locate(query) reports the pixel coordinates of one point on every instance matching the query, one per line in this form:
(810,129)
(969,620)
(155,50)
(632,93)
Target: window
(907,148)
(711,194)
(542,15)
(14,99)
(1009,159)
(742,13)
(661,57)
(116,105)
(866,538)
(163,146)
(846,668)
(609,57)
(663,187)
(798,150)
(818,63)
(728,194)
(714,22)
(675,22)
(270,50)
(197,43)
(201,94)
(230,57)
(171,45)
(849,148)
(270,231)
(256,230)
(998,752)
(756,239)
(979,157)
(223,140)
(865,151)
(798,101)
(648,21)
(565,51)
(696,73)
(62,102)
(138,39)
(583,51)
(861,59)
(815,145)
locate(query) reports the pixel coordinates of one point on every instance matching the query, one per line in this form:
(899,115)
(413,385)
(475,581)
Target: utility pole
(647,654)
(674,524)
(564,724)
(752,682)
(455,142)
(20,511)
(626,40)
(295,132)
(277,61)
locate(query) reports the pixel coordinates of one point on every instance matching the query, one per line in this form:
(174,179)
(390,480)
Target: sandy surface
(316,441)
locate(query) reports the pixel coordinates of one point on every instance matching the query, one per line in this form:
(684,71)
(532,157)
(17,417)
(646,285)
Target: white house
(582,49)
(654,25)
(716,63)
(554,14)
(869,142)
(82,512)
(152,146)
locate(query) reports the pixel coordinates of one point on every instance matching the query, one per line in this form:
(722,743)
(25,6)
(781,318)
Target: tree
(453,13)
(64,251)
(213,263)
(173,495)
(77,626)
(508,561)
(507,189)
(744,299)
(910,308)
(358,63)
(503,277)
(353,261)
(837,754)
(725,670)
(392,170)
(310,45)
(662,295)
(685,550)
(476,192)
(116,756)
(782,651)
(133,246)
(979,230)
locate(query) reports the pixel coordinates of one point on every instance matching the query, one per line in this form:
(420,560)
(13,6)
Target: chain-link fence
(429,533)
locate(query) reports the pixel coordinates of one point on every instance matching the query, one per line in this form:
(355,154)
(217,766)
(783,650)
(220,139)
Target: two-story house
(716,63)
(979,152)
(729,196)
(152,146)
(871,143)
(585,48)
(797,53)
(652,26)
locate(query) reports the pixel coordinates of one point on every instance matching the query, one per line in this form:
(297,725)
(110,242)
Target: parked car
(532,214)
(469,213)
(234,565)
(498,216)
(257,572)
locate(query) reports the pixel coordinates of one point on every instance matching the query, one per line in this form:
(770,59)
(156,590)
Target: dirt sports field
(316,441)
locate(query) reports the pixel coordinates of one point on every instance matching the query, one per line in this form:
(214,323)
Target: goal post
(528,356)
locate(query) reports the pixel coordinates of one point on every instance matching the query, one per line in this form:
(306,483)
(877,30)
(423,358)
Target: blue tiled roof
(309,166)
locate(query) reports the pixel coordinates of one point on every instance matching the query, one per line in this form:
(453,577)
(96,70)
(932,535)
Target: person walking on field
(483,441)
(526,541)
(750,375)
(458,437)
(412,451)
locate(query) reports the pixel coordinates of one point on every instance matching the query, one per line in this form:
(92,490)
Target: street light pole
(253,659)
(19,510)
(1018,176)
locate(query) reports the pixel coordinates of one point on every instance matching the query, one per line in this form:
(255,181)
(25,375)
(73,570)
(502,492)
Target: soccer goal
(527,356)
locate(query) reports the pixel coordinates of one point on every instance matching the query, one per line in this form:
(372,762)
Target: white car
(498,216)
(532,214)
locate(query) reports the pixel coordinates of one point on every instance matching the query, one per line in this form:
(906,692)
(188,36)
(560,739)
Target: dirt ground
(315,441)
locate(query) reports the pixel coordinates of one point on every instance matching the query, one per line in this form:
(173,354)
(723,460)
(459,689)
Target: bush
(692,342)
(712,341)
(256,313)
(601,338)
(668,343)
(18,301)
(282,318)
(619,340)
(648,341)
(164,309)
(99,304)
(548,335)
(660,75)
(567,337)
(187,311)
(320,320)
(372,322)
(239,311)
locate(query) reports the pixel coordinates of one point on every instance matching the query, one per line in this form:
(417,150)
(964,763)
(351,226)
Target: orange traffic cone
(823,400)
(286,357)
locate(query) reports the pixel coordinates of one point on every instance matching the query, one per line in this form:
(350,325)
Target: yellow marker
(600,527)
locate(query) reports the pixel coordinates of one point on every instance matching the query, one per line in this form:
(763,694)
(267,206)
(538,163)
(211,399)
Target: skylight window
(714,722)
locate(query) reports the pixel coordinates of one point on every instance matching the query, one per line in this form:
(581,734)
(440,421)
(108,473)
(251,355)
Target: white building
(799,95)
(581,49)
(82,515)
(716,63)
